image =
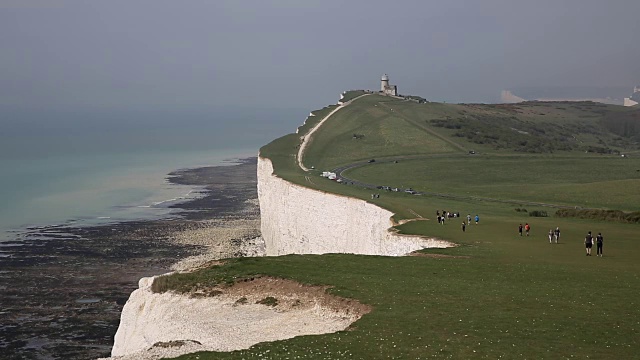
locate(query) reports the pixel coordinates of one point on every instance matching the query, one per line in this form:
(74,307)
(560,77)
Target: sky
(302,54)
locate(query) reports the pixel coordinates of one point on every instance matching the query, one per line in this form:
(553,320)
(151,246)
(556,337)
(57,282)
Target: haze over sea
(91,166)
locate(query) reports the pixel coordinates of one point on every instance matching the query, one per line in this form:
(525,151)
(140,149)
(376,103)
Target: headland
(504,163)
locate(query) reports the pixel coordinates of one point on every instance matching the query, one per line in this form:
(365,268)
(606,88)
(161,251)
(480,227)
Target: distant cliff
(605,95)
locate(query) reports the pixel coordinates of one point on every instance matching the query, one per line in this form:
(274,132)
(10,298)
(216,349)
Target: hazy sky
(295,53)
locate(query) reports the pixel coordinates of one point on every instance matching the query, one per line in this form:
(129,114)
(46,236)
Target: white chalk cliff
(222,323)
(299,220)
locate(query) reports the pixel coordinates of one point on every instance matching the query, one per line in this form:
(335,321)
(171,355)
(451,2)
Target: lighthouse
(384,82)
(387,89)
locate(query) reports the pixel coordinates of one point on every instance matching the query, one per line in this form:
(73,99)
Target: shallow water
(92,166)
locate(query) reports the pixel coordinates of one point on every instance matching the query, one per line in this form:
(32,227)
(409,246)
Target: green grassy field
(585,181)
(384,134)
(498,295)
(350,95)
(393,127)
(509,297)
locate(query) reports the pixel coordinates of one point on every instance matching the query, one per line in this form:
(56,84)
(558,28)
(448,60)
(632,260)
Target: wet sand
(63,287)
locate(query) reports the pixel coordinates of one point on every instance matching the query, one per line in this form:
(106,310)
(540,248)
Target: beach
(64,287)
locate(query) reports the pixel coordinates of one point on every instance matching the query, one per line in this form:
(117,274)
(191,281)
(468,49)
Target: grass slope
(382,133)
(498,295)
(584,181)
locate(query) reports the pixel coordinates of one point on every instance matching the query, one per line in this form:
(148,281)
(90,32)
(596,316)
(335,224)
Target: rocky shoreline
(64,287)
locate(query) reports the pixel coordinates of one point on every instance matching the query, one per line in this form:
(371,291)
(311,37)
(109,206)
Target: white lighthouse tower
(387,89)
(384,82)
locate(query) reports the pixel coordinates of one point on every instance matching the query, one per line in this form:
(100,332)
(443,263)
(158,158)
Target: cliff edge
(155,326)
(300,220)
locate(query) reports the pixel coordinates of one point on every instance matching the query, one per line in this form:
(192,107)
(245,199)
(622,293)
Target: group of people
(554,235)
(527,228)
(446,215)
(468,222)
(588,243)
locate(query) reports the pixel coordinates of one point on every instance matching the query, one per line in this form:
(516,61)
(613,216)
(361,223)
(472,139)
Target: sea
(89,166)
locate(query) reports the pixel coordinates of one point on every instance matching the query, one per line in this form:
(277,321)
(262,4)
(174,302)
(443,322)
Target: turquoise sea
(91,166)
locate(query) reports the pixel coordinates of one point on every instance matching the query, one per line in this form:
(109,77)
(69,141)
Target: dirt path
(306,138)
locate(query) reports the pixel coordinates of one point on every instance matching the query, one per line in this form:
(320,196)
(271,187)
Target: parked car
(371,161)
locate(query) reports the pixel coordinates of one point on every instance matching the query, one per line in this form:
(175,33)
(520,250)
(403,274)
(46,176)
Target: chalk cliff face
(299,220)
(232,320)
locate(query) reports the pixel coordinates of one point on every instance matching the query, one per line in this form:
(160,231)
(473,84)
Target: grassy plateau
(498,295)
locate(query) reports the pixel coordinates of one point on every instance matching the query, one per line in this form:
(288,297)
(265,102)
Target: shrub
(241,301)
(269,301)
(538,213)
(596,214)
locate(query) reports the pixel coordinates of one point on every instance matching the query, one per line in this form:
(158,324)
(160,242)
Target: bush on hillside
(623,124)
(269,301)
(509,132)
(601,150)
(538,213)
(501,127)
(595,214)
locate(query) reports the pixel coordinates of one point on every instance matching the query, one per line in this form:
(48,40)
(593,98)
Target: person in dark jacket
(588,243)
(599,241)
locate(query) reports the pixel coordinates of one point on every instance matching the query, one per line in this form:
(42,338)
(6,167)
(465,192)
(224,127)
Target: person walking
(477,219)
(599,241)
(464,226)
(468,219)
(520,229)
(527,228)
(588,243)
(556,233)
(551,233)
